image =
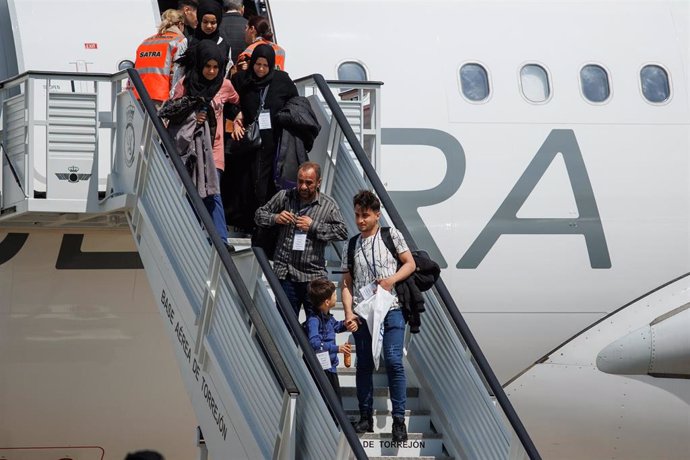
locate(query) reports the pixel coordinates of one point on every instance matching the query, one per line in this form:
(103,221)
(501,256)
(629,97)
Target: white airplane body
(551,218)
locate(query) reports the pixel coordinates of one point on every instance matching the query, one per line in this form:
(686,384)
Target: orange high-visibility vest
(280,52)
(154,62)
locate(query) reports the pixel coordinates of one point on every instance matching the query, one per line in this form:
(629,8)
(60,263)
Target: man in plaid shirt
(308,221)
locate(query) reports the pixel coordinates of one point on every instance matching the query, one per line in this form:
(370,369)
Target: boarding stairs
(256,386)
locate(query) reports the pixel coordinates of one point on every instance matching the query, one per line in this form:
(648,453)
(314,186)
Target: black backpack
(426,273)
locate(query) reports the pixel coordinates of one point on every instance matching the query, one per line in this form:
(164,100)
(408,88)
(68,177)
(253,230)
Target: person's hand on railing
(238,127)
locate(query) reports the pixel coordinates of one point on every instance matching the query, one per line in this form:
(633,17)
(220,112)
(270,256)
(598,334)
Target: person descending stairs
(422,441)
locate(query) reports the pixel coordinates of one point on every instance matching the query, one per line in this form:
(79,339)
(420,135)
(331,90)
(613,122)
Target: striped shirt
(327,225)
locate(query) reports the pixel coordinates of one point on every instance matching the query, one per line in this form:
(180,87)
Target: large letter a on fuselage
(505,221)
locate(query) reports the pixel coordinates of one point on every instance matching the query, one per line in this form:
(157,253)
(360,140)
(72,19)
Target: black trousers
(335,383)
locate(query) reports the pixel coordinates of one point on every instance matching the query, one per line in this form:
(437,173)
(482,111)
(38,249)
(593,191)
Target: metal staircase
(255,384)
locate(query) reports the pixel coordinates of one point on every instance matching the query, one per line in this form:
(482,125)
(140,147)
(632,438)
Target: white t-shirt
(374,261)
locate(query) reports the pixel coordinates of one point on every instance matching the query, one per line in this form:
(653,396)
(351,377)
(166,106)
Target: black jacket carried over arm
(300,128)
(410,291)
(411,302)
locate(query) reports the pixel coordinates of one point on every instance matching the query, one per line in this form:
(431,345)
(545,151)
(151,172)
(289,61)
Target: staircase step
(345,337)
(417,444)
(347,378)
(381,399)
(417,421)
(380,392)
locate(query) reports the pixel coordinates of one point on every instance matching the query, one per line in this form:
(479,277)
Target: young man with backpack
(374,267)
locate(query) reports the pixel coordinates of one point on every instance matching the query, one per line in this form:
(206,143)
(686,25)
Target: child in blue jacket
(321,328)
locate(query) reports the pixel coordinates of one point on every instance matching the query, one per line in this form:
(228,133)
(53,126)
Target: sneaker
(399,429)
(365,424)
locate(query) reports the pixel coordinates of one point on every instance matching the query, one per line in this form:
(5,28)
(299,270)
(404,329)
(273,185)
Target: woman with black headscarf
(210,15)
(207,90)
(250,184)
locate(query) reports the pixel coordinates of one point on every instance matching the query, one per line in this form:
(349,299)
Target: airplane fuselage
(549,211)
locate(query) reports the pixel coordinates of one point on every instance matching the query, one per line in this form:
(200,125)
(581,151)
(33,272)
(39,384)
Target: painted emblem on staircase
(73,175)
(130,137)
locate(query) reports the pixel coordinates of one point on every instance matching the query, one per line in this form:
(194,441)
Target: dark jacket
(232,31)
(321,329)
(300,128)
(411,302)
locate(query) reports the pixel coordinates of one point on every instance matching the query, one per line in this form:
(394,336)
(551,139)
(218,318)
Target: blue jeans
(393,338)
(214,206)
(297,293)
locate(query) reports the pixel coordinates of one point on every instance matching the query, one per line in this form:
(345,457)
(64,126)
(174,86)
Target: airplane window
(535,83)
(474,82)
(655,85)
(352,71)
(595,83)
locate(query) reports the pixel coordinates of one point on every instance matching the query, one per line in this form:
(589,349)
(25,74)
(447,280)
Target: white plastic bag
(374,311)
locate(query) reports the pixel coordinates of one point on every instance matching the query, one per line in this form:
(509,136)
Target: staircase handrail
(315,369)
(447,301)
(86,76)
(274,357)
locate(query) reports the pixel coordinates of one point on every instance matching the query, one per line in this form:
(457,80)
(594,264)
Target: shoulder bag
(251,141)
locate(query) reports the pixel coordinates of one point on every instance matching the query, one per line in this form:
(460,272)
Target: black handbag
(251,141)
(252,136)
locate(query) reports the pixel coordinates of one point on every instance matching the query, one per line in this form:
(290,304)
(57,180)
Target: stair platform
(382,444)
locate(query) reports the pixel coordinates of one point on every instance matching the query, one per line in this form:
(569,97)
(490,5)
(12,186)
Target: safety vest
(154,62)
(280,52)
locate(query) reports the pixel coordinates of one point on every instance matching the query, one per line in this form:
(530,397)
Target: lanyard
(262,98)
(372,267)
(260,110)
(303,210)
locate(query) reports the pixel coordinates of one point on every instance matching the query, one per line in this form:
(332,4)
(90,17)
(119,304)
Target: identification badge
(368,291)
(299,243)
(265,119)
(324,359)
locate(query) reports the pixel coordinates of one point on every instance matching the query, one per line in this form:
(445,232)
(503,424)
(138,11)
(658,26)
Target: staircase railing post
(286,448)
(208,304)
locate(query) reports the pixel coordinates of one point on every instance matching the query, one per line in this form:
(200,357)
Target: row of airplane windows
(534,82)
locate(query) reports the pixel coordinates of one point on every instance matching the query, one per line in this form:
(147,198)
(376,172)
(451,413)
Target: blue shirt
(321,330)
